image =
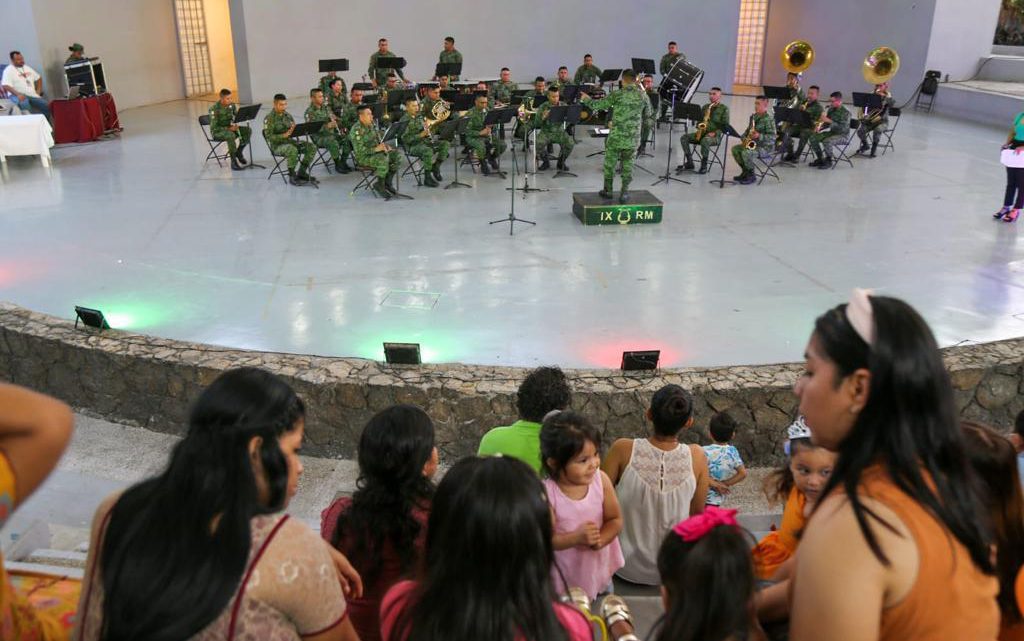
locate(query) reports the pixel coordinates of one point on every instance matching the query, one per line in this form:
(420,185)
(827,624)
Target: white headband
(861,316)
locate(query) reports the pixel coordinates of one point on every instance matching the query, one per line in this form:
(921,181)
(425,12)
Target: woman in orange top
(34,430)
(800,483)
(897,548)
(994,460)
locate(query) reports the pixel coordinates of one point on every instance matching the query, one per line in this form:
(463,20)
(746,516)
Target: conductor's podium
(642,209)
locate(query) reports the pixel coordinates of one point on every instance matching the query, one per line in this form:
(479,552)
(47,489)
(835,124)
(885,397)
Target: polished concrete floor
(140,228)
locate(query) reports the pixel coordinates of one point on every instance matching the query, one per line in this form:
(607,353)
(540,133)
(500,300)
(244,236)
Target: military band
(501,91)
(328,81)
(715,119)
(587,73)
(419,143)
(876,121)
(485,143)
(833,128)
(550,133)
(665,65)
(630,106)
(373,154)
(278,126)
(329,137)
(813,109)
(379,75)
(223,127)
(450,55)
(758,141)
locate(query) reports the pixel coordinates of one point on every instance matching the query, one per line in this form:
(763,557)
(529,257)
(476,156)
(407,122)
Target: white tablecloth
(28,135)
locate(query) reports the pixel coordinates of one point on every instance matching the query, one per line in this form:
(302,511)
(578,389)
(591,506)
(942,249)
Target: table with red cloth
(83,119)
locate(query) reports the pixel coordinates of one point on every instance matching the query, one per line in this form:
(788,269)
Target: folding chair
(893,111)
(364,182)
(414,167)
(277,170)
(713,150)
(764,164)
(322,156)
(204,124)
(845,145)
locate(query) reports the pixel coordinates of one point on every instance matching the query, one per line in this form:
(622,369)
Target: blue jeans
(30,103)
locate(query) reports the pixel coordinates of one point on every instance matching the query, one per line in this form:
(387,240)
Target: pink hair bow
(695,527)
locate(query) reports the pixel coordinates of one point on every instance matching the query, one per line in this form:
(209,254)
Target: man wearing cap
(77,53)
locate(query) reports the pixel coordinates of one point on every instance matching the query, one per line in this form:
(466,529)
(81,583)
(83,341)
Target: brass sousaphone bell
(880,65)
(798,56)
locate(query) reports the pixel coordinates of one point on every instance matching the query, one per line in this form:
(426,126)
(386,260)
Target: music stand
(643,65)
(685,111)
(307,128)
(334,64)
(456,128)
(245,114)
(363,86)
(448,69)
(449,95)
(502,116)
(496,118)
(390,62)
(794,118)
(729,132)
(778,94)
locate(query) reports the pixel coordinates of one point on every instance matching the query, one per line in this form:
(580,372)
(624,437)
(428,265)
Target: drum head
(682,81)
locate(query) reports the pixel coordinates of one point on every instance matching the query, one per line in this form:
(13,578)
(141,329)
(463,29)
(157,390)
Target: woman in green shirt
(1014,175)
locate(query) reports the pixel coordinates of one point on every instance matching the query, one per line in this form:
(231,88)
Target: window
(195,53)
(750,41)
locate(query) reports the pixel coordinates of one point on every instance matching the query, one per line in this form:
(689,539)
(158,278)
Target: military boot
(239,154)
(379,189)
(703,166)
(296,179)
(561,164)
(874,149)
(437,171)
(235,165)
(428,179)
(826,163)
(389,183)
(607,191)
(484,169)
(342,165)
(493,159)
(863,147)
(545,163)
(624,195)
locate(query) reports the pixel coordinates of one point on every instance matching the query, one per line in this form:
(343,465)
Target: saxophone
(821,125)
(748,140)
(702,127)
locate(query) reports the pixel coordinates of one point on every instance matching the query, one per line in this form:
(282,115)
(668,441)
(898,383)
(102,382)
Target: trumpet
(748,136)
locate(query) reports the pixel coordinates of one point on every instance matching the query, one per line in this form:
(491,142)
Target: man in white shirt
(24,85)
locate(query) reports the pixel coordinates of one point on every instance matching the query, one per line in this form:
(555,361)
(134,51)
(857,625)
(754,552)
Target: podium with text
(644,208)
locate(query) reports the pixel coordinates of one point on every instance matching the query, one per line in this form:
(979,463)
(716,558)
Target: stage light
(402,353)
(639,360)
(90,317)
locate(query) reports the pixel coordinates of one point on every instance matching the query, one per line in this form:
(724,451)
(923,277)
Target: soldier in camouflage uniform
(379,75)
(717,121)
(667,61)
(450,55)
(417,142)
(328,137)
(501,91)
(336,96)
(223,127)
(814,111)
(433,96)
(347,119)
(370,152)
(277,129)
(328,80)
(762,131)
(837,123)
(486,145)
(879,126)
(587,73)
(561,80)
(629,108)
(649,121)
(549,133)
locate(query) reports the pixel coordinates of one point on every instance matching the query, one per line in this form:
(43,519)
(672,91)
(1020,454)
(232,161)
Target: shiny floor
(140,228)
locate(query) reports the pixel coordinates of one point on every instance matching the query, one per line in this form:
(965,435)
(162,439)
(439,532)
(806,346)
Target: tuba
(798,56)
(880,65)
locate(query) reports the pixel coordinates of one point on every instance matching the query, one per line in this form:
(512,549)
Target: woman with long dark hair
(994,460)
(488,563)
(897,547)
(203,551)
(382,528)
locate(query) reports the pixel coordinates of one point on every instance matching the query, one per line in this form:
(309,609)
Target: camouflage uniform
(325,86)
(877,129)
(431,154)
(764,125)
(502,92)
(346,120)
(587,74)
(221,118)
(274,126)
(380,74)
(363,139)
(667,61)
(336,103)
(483,146)
(836,133)
(453,57)
(814,111)
(716,125)
(328,137)
(551,133)
(630,107)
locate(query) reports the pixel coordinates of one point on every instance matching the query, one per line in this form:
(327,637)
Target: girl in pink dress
(584,507)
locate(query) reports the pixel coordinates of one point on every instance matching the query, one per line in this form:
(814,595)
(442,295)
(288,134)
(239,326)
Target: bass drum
(682,81)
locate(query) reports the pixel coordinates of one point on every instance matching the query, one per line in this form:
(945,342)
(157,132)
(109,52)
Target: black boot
(561,163)
(874,148)
(703,166)
(826,163)
(344,168)
(389,183)
(379,189)
(493,159)
(863,147)
(484,169)
(624,195)
(296,179)
(437,171)
(545,163)
(304,175)
(234,164)
(239,155)
(688,165)
(428,179)
(606,192)
(817,162)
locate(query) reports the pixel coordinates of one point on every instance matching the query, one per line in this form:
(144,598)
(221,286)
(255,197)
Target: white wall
(18,33)
(962,32)
(842,33)
(218,37)
(135,40)
(277,44)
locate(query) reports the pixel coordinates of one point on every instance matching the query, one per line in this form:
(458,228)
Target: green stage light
(90,318)
(402,353)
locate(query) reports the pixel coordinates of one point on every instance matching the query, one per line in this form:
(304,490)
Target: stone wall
(150,382)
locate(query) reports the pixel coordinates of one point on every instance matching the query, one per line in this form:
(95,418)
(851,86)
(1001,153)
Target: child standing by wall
(725,466)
